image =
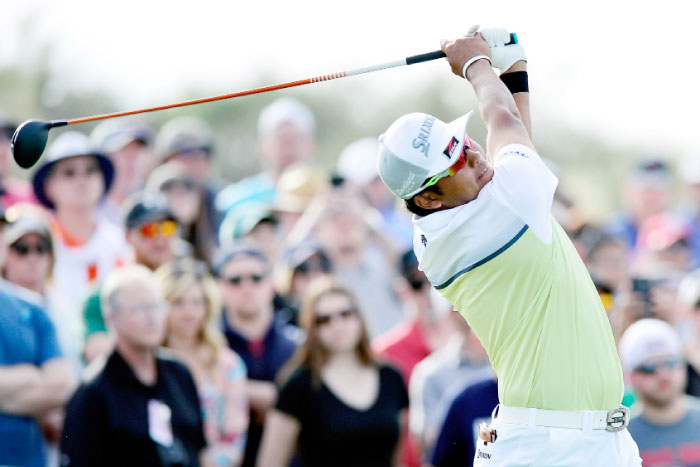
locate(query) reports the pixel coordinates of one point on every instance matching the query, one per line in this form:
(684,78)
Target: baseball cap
(297,185)
(24,225)
(242,220)
(112,135)
(418,146)
(183,134)
(357,162)
(67,145)
(142,207)
(647,339)
(226,254)
(286,110)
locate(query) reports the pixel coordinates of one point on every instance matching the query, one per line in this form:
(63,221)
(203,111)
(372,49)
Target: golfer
(485,238)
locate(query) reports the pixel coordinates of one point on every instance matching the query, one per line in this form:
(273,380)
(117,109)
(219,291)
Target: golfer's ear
(428,200)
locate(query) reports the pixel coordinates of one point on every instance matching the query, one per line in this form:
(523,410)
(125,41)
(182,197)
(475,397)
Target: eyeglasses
(324,319)
(651,368)
(237,280)
(164,228)
(23,249)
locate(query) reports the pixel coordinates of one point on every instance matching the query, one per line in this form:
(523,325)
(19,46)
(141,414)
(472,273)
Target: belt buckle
(618,419)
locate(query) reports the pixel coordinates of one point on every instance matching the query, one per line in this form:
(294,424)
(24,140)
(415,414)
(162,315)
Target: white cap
(286,110)
(416,147)
(358,161)
(647,339)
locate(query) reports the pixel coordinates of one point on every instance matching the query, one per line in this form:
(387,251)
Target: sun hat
(418,146)
(67,145)
(286,110)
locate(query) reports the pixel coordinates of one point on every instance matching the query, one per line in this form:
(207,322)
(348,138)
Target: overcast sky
(627,70)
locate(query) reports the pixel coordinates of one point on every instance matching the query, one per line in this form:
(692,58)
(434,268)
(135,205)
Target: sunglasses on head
(324,319)
(651,368)
(166,228)
(23,249)
(454,168)
(237,280)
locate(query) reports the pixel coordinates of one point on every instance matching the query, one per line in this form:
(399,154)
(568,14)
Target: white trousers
(539,446)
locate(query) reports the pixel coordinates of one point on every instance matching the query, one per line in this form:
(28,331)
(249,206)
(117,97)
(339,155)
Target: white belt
(613,420)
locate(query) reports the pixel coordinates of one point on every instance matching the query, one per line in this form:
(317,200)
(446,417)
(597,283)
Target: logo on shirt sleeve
(423,240)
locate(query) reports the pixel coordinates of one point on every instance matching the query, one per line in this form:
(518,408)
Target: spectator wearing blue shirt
(456,443)
(35,379)
(252,331)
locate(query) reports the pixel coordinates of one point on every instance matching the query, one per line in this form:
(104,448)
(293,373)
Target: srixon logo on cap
(420,142)
(450,149)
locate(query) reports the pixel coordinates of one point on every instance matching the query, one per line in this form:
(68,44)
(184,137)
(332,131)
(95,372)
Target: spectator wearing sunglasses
(253,331)
(28,268)
(70,182)
(666,428)
(151,232)
(36,379)
(338,404)
(194,333)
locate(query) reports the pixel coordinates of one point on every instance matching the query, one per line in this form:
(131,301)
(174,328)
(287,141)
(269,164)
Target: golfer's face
(466,184)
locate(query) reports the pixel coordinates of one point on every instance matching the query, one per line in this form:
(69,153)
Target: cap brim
(457,129)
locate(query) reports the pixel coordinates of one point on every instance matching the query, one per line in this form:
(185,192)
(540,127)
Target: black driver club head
(29,141)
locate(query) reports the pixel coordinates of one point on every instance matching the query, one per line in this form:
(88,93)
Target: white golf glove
(502,56)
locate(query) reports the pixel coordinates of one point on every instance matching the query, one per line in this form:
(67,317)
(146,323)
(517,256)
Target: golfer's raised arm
(496,104)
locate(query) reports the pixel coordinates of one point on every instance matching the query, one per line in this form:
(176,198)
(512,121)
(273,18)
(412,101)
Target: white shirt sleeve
(524,183)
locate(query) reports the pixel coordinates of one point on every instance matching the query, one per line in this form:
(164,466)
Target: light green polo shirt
(510,269)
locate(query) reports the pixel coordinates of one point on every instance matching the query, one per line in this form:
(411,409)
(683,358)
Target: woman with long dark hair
(338,404)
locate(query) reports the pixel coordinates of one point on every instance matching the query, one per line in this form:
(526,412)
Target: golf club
(29,139)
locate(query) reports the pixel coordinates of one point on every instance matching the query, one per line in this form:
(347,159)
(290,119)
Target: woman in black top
(340,407)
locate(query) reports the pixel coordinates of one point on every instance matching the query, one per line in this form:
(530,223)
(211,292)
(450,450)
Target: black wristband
(516,81)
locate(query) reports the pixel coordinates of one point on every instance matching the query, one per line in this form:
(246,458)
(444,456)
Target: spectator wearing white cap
(71,182)
(666,429)
(357,164)
(286,135)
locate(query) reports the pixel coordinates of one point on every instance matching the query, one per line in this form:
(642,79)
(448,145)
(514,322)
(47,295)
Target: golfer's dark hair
(417,210)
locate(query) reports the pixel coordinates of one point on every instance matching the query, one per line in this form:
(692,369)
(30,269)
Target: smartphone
(642,288)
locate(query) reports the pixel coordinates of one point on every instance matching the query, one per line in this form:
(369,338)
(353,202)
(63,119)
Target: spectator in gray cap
(152,233)
(666,428)
(129,145)
(12,190)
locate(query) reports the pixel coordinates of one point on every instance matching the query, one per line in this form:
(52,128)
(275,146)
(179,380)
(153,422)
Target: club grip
(440,54)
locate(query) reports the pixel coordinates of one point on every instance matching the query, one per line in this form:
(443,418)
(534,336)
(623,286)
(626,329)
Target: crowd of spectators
(154,314)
